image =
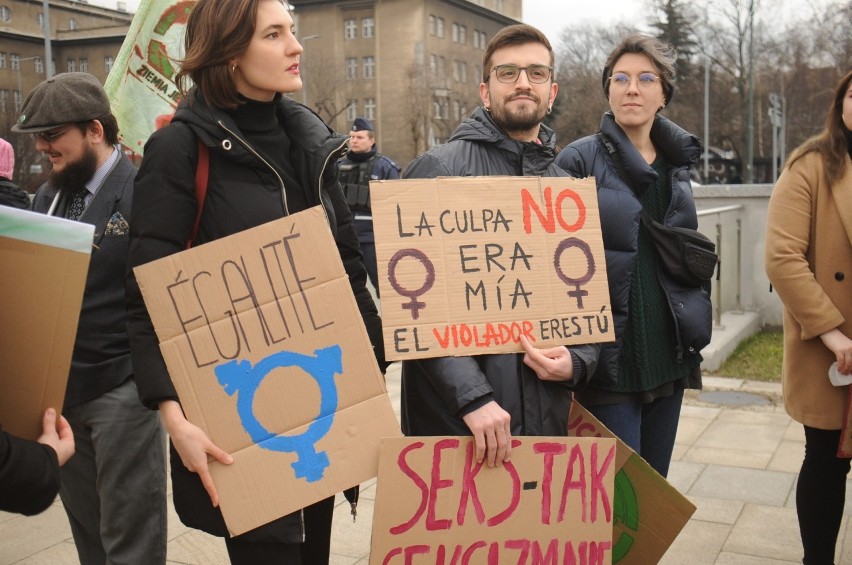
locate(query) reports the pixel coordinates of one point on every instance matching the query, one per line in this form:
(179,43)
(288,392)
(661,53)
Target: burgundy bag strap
(202,171)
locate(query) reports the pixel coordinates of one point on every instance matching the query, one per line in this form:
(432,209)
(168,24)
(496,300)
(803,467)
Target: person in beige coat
(809,263)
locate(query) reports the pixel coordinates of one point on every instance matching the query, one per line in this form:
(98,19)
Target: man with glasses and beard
(114,488)
(494,397)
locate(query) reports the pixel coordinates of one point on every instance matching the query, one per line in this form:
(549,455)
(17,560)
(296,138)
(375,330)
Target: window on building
(456,72)
(433,64)
(455,32)
(437,109)
(477,73)
(462,71)
(108,62)
(483,40)
(462,34)
(442,69)
(370,108)
(2,60)
(71,65)
(369,67)
(16,98)
(368,27)
(39,66)
(456,110)
(5,14)
(40,19)
(4,99)
(53,67)
(72,24)
(440,30)
(476,39)
(433,25)
(84,65)
(351,68)
(350,29)
(15,60)
(498,6)
(352,110)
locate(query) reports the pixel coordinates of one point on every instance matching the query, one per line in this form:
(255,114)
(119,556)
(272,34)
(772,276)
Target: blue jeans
(114,487)
(649,429)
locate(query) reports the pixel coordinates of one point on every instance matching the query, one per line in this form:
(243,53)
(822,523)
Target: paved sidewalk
(737,464)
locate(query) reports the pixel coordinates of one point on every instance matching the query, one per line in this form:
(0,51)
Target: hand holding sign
(552,364)
(492,433)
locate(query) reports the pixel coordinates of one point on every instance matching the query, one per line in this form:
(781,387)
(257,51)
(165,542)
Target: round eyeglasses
(509,74)
(622,80)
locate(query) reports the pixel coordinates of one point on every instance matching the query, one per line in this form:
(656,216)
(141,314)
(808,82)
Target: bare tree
(327,88)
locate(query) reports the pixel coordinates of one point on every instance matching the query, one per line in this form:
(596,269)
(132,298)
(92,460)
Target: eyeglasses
(622,80)
(50,136)
(509,74)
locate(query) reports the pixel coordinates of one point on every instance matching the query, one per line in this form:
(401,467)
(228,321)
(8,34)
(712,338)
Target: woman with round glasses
(640,160)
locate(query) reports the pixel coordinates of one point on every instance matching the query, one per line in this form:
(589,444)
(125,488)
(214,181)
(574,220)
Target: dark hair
(661,55)
(519,34)
(109,123)
(831,141)
(216,32)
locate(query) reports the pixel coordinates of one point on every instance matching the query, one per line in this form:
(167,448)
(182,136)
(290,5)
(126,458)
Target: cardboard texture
(469,264)
(267,350)
(552,503)
(649,513)
(45,262)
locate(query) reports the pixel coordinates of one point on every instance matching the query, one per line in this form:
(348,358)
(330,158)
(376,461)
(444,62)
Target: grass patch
(758,358)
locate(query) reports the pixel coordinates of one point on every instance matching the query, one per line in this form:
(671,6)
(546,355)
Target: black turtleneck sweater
(258,123)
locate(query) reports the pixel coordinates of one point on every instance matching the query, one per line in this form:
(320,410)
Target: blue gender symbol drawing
(241,379)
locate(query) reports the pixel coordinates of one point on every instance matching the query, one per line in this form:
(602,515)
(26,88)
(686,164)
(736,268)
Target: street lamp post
(304,60)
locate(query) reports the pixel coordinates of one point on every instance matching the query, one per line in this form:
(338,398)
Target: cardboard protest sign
(267,350)
(469,264)
(648,512)
(140,85)
(552,503)
(45,262)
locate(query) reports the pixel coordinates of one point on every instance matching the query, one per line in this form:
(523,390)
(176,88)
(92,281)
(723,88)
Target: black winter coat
(434,391)
(243,192)
(620,211)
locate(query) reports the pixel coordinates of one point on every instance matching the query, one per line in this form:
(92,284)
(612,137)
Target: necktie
(78,203)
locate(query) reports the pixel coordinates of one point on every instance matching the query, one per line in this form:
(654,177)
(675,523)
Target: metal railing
(717,288)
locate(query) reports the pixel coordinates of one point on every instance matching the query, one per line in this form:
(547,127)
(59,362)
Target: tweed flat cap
(63,99)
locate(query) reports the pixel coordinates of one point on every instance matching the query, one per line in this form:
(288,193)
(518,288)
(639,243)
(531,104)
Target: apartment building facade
(412,67)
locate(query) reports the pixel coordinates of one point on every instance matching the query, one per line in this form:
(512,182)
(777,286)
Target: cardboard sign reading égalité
(553,502)
(469,264)
(267,350)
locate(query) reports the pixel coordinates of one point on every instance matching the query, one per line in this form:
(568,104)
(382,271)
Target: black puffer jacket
(243,191)
(434,391)
(620,217)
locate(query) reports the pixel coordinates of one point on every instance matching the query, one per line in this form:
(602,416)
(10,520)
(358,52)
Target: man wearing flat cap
(362,164)
(114,488)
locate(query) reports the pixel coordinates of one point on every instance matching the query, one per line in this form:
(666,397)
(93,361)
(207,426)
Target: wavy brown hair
(662,55)
(831,141)
(216,32)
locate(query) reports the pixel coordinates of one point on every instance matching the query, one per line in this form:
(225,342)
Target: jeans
(649,429)
(114,487)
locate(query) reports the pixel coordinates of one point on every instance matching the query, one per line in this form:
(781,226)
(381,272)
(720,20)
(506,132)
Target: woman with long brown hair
(269,157)
(809,263)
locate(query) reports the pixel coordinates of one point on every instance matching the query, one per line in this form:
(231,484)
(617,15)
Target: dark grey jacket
(435,391)
(620,211)
(101,358)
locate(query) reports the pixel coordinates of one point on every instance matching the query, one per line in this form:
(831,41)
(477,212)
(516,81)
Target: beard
(518,119)
(73,177)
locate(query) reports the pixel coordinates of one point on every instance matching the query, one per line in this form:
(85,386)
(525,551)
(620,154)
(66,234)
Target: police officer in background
(362,164)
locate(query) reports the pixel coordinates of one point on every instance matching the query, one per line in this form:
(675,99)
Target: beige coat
(809,263)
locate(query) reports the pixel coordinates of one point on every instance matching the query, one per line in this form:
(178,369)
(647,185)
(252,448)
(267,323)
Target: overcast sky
(551,16)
